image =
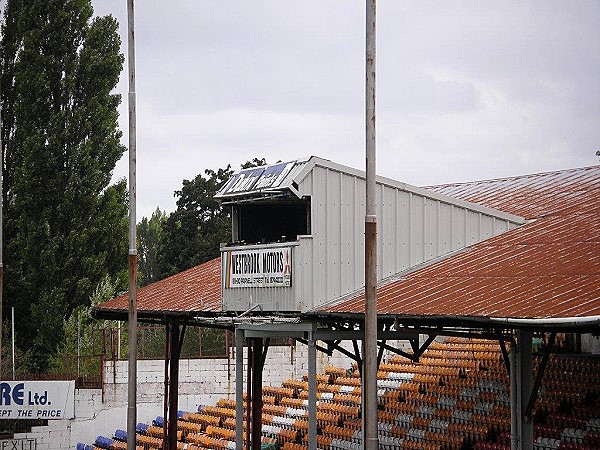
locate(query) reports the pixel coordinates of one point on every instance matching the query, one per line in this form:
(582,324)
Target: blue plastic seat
(121,435)
(103,442)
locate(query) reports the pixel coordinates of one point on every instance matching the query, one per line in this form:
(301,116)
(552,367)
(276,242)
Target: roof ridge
(513,178)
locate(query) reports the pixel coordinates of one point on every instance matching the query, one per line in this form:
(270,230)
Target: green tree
(194,231)
(149,234)
(65,226)
(256,162)
(81,343)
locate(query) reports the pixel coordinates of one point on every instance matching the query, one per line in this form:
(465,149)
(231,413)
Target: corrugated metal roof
(548,268)
(194,290)
(529,196)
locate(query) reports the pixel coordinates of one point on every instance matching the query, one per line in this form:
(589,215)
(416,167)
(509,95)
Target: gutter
(589,321)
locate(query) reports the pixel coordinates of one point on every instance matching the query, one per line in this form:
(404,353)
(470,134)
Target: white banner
(37,400)
(265,267)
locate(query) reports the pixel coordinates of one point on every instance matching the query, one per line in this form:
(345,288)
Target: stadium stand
(456,397)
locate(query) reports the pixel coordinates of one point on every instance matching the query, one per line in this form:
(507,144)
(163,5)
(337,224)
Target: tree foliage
(149,234)
(192,234)
(83,335)
(65,226)
(194,231)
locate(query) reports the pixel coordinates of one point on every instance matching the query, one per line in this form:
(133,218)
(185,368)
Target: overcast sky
(465,90)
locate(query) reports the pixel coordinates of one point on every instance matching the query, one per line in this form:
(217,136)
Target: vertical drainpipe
(166,399)
(257,379)
(239,389)
(176,340)
(525,385)
(515,436)
(312,391)
(132,258)
(371,441)
(1,235)
(249,372)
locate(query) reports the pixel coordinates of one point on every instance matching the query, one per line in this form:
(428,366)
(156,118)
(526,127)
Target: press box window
(272,222)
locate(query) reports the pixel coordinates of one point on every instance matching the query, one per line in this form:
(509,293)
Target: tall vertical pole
(132,259)
(1,235)
(370,344)
(13,341)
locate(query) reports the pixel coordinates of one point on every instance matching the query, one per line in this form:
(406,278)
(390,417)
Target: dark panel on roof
(257,179)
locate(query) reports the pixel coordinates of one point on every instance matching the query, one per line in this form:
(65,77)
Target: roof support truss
(505,356)
(418,350)
(539,376)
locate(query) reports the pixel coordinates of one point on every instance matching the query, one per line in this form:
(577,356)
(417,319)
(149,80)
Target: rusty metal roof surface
(529,196)
(194,290)
(548,268)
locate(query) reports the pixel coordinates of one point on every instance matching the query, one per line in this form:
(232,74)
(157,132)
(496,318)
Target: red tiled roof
(194,290)
(548,268)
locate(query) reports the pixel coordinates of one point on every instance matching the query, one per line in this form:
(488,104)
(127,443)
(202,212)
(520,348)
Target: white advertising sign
(37,400)
(265,267)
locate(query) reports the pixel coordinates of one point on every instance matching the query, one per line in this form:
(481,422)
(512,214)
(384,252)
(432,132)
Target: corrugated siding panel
(416,228)
(431,229)
(333,237)
(348,232)
(403,234)
(445,229)
(459,237)
(359,237)
(319,221)
(386,234)
(305,264)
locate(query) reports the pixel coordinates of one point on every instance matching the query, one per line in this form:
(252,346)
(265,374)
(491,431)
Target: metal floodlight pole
(370,344)
(1,237)
(13,342)
(132,258)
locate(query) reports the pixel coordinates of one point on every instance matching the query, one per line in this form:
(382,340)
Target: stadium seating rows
(456,397)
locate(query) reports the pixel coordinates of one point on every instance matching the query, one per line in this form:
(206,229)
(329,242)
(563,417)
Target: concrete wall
(590,344)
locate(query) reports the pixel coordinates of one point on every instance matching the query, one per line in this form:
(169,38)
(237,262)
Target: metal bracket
(266,343)
(358,359)
(396,351)
(331,346)
(380,354)
(540,374)
(505,356)
(417,351)
(381,349)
